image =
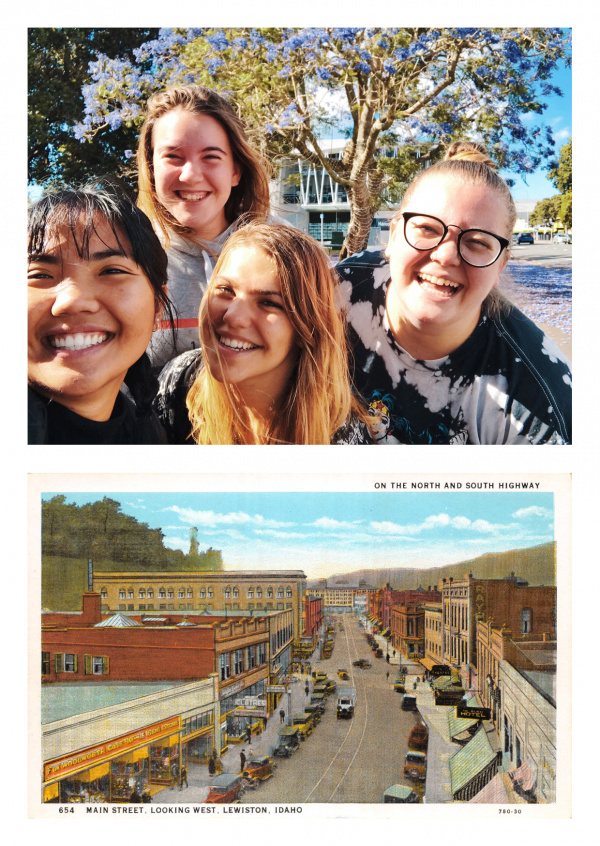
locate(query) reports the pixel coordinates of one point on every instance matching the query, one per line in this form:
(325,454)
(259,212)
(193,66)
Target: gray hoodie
(189,271)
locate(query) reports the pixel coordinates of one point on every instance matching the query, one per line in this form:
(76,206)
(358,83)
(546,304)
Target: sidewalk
(262,744)
(437,788)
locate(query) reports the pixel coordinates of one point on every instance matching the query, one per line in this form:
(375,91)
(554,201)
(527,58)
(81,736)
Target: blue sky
(325,533)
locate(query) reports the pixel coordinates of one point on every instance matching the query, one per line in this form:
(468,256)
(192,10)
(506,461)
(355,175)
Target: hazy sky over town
(325,533)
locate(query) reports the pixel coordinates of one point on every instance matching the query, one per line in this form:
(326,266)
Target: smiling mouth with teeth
(78,341)
(234,344)
(192,197)
(441,286)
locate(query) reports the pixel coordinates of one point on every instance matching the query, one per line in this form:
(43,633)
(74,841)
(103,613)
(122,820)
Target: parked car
(362,663)
(418,737)
(561,238)
(415,765)
(400,793)
(319,678)
(399,684)
(257,770)
(343,675)
(289,742)
(304,724)
(409,702)
(525,238)
(319,701)
(224,788)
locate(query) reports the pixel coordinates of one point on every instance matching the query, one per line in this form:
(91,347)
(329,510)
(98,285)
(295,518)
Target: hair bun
(469,151)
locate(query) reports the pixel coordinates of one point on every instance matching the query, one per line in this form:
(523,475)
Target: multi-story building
(341,598)
(510,601)
(517,681)
(247,654)
(313,615)
(230,593)
(433,634)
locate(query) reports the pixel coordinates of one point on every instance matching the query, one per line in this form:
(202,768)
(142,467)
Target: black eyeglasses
(475,246)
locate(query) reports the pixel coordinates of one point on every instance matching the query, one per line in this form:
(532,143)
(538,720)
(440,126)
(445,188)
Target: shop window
(150,606)
(130,606)
(162,606)
(142,607)
(45,663)
(122,607)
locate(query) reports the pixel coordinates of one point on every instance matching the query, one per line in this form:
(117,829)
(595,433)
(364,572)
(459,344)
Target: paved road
(351,760)
(544,252)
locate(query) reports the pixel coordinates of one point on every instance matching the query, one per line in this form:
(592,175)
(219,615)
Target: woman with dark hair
(96,287)
(453,360)
(197,176)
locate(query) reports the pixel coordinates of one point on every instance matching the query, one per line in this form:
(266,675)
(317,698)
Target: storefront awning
(469,761)
(427,663)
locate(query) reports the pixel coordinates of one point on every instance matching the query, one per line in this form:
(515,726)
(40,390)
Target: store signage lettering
(464,713)
(95,754)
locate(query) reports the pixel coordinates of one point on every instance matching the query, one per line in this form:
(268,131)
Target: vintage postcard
(300,644)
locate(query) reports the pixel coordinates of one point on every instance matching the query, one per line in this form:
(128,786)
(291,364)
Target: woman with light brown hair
(197,174)
(273,365)
(445,357)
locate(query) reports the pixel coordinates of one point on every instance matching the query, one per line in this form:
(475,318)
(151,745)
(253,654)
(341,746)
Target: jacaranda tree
(405,89)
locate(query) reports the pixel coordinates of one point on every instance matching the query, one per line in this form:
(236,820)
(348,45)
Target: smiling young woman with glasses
(452,360)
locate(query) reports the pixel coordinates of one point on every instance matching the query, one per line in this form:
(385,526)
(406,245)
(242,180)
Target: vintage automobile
(400,793)
(257,770)
(415,765)
(319,678)
(224,788)
(304,724)
(362,663)
(315,713)
(343,675)
(409,702)
(289,742)
(399,684)
(418,737)
(319,701)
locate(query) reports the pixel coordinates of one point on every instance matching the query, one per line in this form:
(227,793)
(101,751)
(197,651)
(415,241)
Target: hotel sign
(94,755)
(464,713)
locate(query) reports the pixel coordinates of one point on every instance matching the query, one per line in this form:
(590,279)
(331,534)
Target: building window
(170,593)
(96,665)
(227,593)
(121,594)
(270,593)
(103,593)
(141,593)
(201,593)
(65,662)
(258,593)
(162,594)
(238,664)
(150,593)
(288,592)
(262,653)
(526,621)
(236,593)
(130,593)
(189,593)
(279,593)
(209,593)
(224,668)
(45,663)
(181,593)
(250,593)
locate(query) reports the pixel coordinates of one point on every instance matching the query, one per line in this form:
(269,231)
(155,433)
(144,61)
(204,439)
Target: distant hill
(536,564)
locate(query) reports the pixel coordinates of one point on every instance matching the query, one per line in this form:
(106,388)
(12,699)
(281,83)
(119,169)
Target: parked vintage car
(319,678)
(289,742)
(319,701)
(399,684)
(304,724)
(415,765)
(409,702)
(400,793)
(418,737)
(257,770)
(314,711)
(362,663)
(343,675)
(224,788)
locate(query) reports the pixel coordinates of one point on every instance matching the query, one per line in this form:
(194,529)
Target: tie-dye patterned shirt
(507,384)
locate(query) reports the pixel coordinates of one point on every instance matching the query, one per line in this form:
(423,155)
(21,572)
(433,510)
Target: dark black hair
(78,210)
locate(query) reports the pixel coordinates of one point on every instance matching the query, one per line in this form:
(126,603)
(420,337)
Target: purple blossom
(362,67)
(323,74)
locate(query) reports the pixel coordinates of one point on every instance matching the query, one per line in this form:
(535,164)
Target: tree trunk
(362,212)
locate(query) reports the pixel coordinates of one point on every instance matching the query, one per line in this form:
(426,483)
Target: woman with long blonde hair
(273,365)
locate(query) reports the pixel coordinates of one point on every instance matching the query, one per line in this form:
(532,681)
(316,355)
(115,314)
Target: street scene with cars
(351,738)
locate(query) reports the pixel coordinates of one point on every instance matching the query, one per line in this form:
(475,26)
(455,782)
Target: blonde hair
(250,197)
(319,398)
(469,161)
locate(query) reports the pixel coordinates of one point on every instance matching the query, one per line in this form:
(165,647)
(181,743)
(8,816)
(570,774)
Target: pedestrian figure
(183,777)
(281,715)
(306,689)
(387,675)
(211,763)
(414,685)
(387,658)
(249,735)
(394,653)
(264,723)
(242,760)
